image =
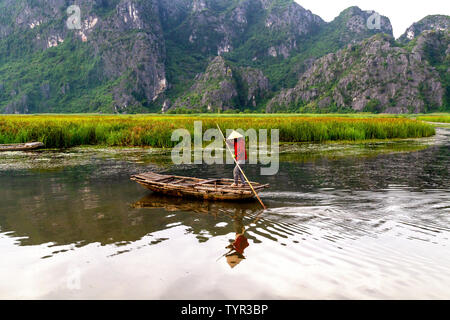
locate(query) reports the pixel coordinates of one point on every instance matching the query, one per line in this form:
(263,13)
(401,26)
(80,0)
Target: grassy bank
(436,118)
(59,131)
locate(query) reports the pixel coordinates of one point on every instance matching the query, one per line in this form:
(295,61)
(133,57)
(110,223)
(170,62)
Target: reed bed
(63,131)
(439,118)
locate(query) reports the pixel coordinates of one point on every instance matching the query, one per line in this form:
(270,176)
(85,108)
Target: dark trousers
(237,174)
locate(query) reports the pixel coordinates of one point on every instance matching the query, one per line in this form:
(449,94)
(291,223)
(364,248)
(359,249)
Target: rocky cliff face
(218,27)
(265,33)
(120,47)
(374,75)
(126,46)
(429,23)
(353,25)
(140,59)
(223,87)
(292,21)
(146,55)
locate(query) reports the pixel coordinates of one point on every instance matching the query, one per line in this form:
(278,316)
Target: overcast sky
(401,13)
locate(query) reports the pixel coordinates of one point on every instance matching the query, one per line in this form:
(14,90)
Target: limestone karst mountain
(128,56)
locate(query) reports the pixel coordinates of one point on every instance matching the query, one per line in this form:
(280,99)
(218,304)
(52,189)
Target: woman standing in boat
(237,140)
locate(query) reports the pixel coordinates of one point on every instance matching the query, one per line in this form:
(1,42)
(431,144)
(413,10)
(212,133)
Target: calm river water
(344,222)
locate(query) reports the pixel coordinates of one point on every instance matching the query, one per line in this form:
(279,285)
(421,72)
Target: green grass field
(62,131)
(441,118)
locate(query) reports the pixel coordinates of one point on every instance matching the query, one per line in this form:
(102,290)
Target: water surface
(365,221)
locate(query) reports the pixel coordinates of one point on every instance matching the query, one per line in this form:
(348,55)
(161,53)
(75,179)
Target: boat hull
(213,189)
(21,146)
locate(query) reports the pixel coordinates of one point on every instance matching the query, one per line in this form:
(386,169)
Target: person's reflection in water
(236,211)
(236,253)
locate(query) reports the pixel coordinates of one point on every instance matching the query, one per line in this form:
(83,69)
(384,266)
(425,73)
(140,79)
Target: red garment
(239,149)
(240,244)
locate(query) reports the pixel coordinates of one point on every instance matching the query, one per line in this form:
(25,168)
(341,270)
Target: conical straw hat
(234,135)
(233,260)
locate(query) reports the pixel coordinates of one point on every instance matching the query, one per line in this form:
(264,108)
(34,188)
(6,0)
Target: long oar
(260,201)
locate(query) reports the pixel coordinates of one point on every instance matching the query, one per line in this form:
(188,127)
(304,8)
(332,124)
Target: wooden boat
(21,146)
(209,189)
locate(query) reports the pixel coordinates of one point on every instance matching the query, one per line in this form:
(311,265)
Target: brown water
(355,221)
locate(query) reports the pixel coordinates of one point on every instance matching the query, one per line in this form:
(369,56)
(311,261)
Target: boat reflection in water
(236,211)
